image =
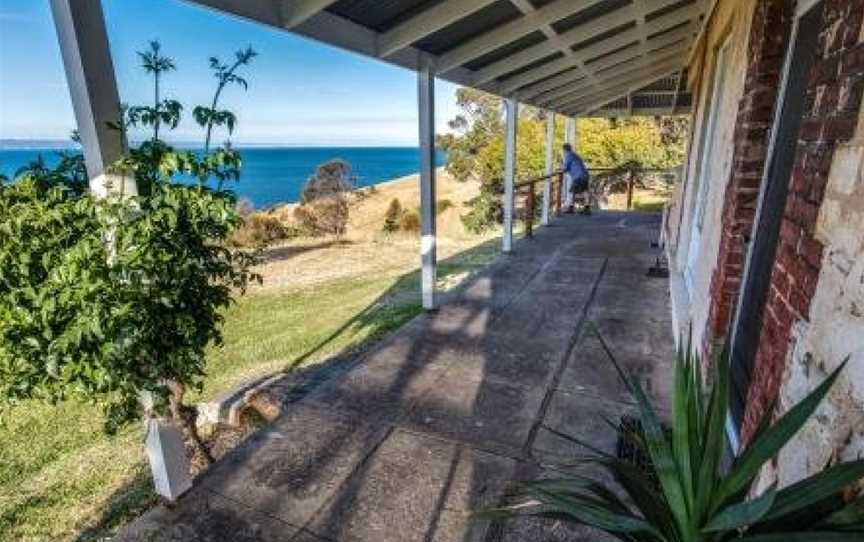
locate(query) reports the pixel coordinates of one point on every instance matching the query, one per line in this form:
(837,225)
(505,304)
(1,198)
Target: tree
(114,299)
(225,74)
(324,208)
(393,216)
(477,125)
(167,111)
(476,150)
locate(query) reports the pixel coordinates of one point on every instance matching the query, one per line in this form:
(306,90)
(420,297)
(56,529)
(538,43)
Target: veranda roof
(574,57)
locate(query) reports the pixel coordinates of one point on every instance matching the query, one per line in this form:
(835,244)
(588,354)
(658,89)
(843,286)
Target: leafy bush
(393,216)
(323,216)
(442,205)
(693,500)
(113,299)
(258,229)
(487,209)
(410,221)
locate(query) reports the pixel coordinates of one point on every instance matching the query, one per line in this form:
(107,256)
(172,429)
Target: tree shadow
(286,252)
(404,440)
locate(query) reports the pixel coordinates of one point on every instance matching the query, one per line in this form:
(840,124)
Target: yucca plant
(687,496)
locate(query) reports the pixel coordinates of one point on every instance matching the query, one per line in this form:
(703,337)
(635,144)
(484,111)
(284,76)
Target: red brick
(839,128)
(811,129)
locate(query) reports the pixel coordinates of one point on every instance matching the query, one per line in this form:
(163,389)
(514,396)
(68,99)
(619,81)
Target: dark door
(748,323)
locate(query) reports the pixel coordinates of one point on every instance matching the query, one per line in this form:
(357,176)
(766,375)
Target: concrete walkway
(436,420)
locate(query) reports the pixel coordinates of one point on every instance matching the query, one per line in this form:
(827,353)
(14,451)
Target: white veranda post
(511,107)
(569,138)
(426,105)
(550,166)
(80,27)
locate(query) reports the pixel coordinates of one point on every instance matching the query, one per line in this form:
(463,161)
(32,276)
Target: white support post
(512,112)
(550,157)
(570,139)
(570,132)
(86,56)
(428,256)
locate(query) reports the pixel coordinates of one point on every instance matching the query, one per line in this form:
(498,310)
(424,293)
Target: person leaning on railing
(576,179)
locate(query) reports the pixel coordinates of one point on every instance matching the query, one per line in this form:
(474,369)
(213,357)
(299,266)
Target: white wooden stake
(428,242)
(550,157)
(512,112)
(89,70)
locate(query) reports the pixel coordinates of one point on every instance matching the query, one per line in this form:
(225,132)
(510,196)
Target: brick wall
(834,97)
(767,45)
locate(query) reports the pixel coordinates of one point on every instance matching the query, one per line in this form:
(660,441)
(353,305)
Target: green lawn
(61,478)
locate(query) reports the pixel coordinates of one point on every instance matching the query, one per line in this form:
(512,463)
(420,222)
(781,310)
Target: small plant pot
(167,455)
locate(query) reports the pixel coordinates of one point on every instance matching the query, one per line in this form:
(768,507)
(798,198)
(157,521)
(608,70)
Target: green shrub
(259,229)
(323,216)
(324,208)
(410,221)
(687,496)
(442,205)
(393,216)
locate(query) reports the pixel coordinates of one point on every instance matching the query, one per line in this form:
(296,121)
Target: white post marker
(550,157)
(512,112)
(89,70)
(428,242)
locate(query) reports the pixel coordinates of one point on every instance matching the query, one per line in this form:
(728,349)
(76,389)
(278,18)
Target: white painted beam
(617,113)
(611,78)
(428,240)
(625,81)
(549,166)
(584,32)
(561,85)
(510,32)
(556,66)
(511,108)
(426,23)
(611,95)
(296,12)
(86,55)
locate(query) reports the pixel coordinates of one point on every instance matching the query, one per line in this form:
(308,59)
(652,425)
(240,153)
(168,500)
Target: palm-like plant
(691,498)
(208,117)
(168,111)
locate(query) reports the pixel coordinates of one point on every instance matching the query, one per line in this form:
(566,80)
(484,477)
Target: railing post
(550,157)
(559,183)
(529,212)
(512,110)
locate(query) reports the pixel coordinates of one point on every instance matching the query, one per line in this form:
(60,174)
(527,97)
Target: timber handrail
(529,186)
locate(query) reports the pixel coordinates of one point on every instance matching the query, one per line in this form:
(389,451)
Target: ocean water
(274,175)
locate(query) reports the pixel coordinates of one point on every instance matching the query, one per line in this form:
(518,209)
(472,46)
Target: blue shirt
(574,166)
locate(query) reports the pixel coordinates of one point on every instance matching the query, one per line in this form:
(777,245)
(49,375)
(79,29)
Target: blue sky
(301,92)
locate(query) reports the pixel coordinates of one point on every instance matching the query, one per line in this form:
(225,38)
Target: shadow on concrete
(435,420)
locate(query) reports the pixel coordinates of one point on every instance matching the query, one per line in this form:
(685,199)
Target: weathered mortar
(804,254)
(835,329)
